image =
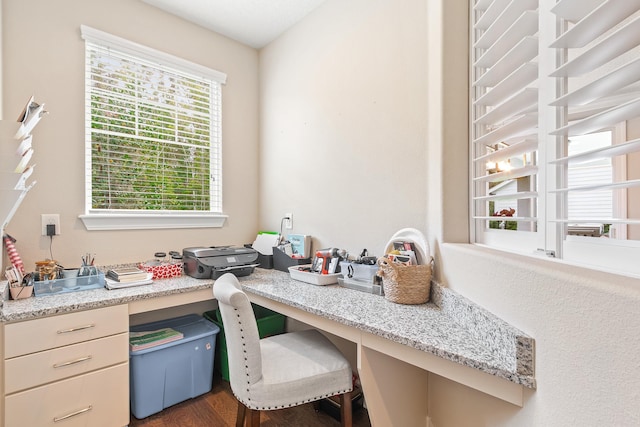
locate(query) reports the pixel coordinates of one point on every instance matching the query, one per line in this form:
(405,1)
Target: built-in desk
(397,345)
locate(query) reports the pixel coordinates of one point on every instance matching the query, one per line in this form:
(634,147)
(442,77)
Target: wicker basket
(405,284)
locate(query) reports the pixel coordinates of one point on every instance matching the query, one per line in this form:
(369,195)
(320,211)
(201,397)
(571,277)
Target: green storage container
(269,323)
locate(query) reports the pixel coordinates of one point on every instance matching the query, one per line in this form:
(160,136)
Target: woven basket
(405,284)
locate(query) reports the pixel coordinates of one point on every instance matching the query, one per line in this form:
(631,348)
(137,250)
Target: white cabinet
(68,370)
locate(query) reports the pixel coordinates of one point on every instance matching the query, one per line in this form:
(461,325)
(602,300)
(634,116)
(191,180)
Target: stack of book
(124,277)
(146,339)
(127,274)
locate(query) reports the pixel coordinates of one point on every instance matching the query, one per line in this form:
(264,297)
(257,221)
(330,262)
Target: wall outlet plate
(50,219)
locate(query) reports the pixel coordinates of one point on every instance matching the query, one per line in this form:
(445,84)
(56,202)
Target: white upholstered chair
(279,371)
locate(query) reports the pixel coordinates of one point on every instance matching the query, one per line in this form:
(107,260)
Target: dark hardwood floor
(218,409)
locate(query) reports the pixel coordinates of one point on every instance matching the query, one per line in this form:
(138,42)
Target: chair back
(241,331)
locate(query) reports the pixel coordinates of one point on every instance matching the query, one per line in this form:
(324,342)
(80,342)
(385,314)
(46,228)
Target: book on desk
(146,339)
(125,277)
(127,274)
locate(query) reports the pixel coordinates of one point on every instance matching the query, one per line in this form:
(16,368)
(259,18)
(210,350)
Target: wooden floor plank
(218,408)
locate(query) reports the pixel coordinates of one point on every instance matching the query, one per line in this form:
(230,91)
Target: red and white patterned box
(164,270)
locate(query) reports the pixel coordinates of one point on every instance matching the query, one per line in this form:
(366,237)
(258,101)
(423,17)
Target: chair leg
(253,418)
(242,410)
(346,414)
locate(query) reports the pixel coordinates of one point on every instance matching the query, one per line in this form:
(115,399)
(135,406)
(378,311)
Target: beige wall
(353,79)
(344,124)
(44,56)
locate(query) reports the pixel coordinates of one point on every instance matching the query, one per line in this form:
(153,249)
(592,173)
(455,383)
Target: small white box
(298,272)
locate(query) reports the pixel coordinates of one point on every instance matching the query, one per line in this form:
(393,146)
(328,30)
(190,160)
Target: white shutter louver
(504,114)
(555,116)
(601,79)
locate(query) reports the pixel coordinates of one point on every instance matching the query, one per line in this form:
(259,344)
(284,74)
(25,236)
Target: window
(153,137)
(555,102)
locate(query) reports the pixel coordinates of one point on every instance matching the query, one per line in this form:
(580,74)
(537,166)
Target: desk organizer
(71,284)
(282,261)
(266,261)
(21,292)
(313,277)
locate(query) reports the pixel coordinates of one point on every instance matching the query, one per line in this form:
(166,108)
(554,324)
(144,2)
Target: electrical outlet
(50,219)
(288,223)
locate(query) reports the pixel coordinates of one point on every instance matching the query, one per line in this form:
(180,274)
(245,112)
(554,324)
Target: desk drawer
(98,399)
(50,332)
(44,367)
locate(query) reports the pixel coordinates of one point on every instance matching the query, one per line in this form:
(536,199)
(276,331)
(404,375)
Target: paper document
(265,242)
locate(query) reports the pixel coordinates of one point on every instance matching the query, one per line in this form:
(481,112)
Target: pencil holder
(20,292)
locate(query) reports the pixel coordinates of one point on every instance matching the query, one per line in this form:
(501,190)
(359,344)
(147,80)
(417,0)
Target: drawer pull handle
(79,328)
(73,414)
(72,362)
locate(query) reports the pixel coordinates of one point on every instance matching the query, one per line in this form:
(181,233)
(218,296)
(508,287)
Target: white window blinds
(555,129)
(598,73)
(504,146)
(153,129)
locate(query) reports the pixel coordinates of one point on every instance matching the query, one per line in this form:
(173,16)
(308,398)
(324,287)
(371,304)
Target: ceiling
(251,22)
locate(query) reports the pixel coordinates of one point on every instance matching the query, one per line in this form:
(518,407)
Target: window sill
(95,222)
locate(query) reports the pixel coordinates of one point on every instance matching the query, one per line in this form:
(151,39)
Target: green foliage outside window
(150,138)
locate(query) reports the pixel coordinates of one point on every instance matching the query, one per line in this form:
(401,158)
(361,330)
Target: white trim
(131,48)
(105,219)
(619,165)
(151,221)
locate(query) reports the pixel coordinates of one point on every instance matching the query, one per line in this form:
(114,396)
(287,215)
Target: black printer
(213,262)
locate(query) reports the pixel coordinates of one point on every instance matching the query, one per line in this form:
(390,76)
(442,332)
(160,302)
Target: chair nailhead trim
(289,405)
(246,359)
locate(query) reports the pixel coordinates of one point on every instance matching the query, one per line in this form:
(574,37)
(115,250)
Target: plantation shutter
(153,124)
(599,77)
(504,128)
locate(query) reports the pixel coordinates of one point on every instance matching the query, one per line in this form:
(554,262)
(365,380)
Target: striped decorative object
(13,254)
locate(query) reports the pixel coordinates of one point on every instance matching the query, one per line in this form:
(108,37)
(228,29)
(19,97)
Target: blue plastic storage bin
(170,373)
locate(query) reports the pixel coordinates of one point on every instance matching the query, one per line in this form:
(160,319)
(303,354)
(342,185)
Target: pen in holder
(87,274)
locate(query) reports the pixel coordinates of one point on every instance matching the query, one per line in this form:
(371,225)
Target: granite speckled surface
(449,326)
(49,305)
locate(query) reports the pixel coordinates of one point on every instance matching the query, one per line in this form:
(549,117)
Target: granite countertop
(449,326)
(48,305)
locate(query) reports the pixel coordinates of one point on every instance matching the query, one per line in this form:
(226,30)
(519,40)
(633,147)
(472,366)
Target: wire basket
(405,284)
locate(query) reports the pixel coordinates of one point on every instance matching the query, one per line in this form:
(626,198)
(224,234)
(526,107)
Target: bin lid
(192,327)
